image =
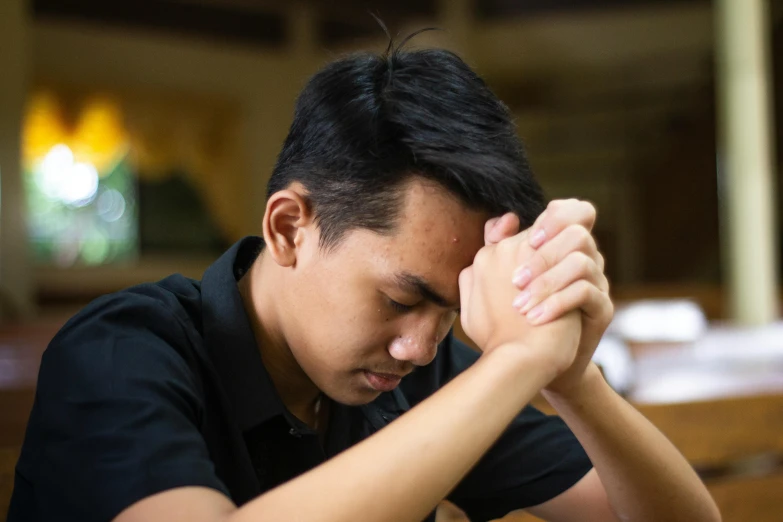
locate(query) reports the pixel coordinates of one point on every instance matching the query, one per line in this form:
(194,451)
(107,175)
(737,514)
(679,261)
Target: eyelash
(399,307)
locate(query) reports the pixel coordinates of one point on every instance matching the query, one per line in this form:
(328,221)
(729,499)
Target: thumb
(465,286)
(498,229)
(488,228)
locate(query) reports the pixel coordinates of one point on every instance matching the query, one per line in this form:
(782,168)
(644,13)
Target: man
(312,375)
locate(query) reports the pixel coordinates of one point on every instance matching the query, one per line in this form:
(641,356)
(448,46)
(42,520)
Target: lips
(383,382)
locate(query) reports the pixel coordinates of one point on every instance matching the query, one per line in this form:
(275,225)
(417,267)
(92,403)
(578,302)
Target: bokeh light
(81,190)
(61,179)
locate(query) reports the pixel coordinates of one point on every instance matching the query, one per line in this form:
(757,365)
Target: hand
(487,314)
(566,273)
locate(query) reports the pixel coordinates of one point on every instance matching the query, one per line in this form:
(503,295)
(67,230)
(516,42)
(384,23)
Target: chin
(353,396)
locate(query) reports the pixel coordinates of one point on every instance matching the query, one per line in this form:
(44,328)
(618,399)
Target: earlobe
(287,214)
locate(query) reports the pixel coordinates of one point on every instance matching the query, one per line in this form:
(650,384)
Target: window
(81,191)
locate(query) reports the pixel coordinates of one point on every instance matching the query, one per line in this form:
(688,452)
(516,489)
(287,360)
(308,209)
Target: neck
(261,296)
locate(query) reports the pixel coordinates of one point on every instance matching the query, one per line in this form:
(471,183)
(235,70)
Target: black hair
(366,123)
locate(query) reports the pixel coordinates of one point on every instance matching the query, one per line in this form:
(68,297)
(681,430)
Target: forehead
(435,238)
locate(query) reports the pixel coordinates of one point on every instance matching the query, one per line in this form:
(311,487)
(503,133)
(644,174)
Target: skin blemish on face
(455,239)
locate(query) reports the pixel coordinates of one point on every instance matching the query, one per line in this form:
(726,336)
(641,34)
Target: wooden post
(745,159)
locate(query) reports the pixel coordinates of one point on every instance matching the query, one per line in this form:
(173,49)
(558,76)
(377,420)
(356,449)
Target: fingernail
(521,276)
(538,239)
(521,299)
(535,313)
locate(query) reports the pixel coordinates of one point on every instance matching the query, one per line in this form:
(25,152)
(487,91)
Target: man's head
(391,167)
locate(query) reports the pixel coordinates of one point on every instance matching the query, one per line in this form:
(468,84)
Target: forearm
(645,477)
(402,472)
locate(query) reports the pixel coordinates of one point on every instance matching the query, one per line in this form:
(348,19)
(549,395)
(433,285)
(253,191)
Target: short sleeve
(115,420)
(534,460)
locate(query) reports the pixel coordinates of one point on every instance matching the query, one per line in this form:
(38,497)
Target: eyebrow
(419,285)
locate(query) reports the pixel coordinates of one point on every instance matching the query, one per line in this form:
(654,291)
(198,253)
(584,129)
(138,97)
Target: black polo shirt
(162,385)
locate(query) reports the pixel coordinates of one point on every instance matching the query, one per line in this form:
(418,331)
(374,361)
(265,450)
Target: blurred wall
(574,55)
(15,283)
(263,83)
(615,106)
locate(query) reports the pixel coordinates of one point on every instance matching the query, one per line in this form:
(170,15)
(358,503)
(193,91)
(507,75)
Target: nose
(416,347)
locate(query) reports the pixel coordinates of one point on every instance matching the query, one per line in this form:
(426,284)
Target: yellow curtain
(162,133)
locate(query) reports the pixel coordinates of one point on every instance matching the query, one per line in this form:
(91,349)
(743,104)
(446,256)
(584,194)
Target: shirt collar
(230,341)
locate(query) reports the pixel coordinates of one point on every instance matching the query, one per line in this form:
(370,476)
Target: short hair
(367,123)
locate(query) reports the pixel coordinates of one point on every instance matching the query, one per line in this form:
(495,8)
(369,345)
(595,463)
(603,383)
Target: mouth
(382,382)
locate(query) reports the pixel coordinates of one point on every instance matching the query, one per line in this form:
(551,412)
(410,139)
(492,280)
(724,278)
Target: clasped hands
(543,288)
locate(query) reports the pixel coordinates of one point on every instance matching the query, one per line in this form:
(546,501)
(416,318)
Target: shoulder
(151,329)
(169,311)
(146,306)
(120,405)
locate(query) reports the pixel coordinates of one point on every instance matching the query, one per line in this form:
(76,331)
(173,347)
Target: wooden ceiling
(264,22)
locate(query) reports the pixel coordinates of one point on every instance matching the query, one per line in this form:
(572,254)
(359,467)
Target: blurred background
(137,136)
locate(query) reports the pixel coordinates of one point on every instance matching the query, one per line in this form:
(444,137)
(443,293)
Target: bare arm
(639,475)
(644,476)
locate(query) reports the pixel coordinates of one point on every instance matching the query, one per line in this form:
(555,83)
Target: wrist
(523,363)
(584,385)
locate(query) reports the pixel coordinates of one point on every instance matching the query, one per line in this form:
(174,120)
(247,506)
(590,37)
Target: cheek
(446,324)
(354,332)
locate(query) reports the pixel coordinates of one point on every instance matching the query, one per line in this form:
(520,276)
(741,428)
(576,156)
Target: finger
(488,226)
(465,282)
(574,238)
(558,215)
(580,295)
(498,229)
(574,267)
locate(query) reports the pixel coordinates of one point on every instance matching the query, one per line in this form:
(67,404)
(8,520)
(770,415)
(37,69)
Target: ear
(288,221)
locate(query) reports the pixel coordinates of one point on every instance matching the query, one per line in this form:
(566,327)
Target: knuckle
(587,241)
(585,237)
(583,262)
(605,311)
(579,237)
(584,290)
(609,308)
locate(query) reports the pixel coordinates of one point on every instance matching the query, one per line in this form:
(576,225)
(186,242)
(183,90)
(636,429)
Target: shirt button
(294,433)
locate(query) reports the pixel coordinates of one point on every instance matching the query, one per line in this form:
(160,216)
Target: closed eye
(399,307)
